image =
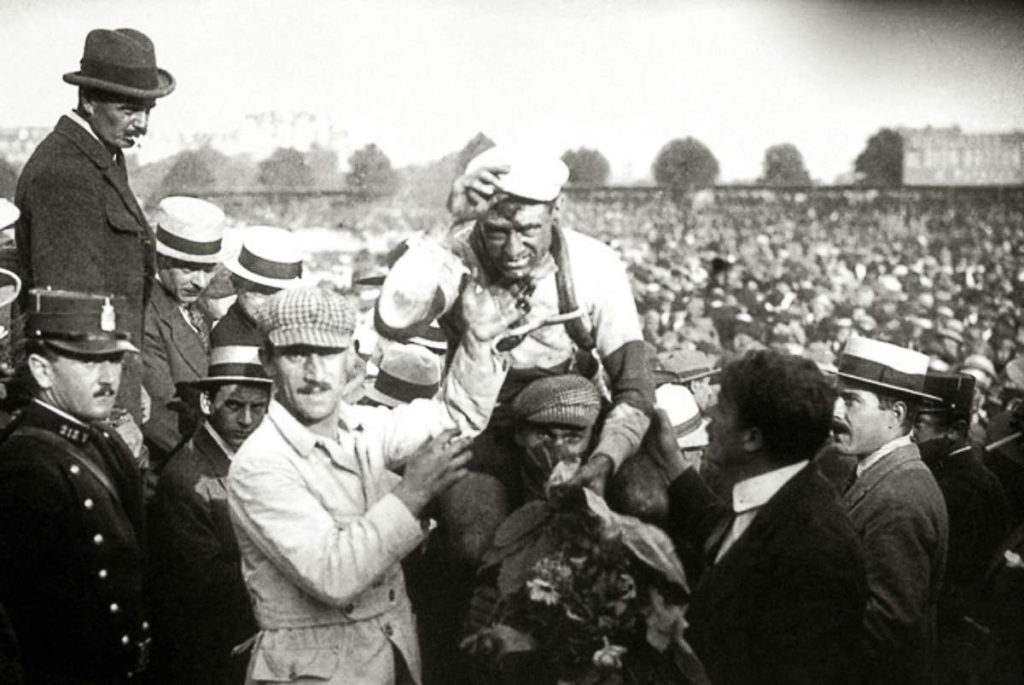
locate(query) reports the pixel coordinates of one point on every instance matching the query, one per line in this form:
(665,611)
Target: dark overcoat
(785,603)
(200,606)
(172,352)
(71,549)
(81,227)
(899,513)
(235,328)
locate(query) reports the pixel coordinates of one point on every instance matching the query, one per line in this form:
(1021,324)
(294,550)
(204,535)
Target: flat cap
(568,400)
(308,316)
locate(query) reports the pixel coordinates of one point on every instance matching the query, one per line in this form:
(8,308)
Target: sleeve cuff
(403,530)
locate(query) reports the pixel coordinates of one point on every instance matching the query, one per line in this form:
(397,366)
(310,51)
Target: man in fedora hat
(71,546)
(979,517)
(175,348)
(81,226)
(268,262)
(896,506)
(201,609)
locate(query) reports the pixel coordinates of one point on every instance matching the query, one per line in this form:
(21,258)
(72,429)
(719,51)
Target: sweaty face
(118,124)
(236,410)
(186,281)
(310,382)
(860,425)
(84,387)
(517,236)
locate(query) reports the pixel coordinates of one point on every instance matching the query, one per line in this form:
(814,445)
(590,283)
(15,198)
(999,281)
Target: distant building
(946,156)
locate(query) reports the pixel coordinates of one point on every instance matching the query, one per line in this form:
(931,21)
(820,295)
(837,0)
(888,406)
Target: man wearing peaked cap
(81,226)
(200,605)
(330,599)
(979,517)
(507,213)
(268,262)
(895,503)
(189,232)
(71,546)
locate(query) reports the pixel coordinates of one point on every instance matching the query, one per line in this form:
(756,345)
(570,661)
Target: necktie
(197,320)
(718,534)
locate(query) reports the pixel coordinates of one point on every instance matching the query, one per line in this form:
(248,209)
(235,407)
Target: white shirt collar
(755,492)
(77,118)
(876,456)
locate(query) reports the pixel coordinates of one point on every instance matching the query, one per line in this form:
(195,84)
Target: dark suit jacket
(71,549)
(200,605)
(785,604)
(81,227)
(899,513)
(235,328)
(171,353)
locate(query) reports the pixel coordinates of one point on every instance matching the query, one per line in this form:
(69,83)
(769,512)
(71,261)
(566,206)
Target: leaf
(648,543)
(514,531)
(516,567)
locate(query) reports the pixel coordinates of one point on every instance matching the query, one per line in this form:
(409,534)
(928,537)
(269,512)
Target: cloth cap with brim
(189,229)
(678,402)
(885,366)
(685,366)
(8,213)
(78,323)
(567,400)
(121,61)
(406,373)
(955,393)
(310,316)
(532,175)
(233,364)
(269,257)
(981,363)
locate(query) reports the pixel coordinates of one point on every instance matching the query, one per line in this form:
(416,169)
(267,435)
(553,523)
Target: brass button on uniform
(74,470)
(102,574)
(97,538)
(88,503)
(114,608)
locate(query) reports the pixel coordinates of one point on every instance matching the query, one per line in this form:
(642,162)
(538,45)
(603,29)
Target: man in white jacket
(320,527)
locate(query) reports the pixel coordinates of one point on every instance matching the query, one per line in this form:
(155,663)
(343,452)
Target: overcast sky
(420,78)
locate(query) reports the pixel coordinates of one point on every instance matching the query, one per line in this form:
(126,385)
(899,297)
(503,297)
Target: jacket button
(349,608)
(391,595)
(88,503)
(145,626)
(74,470)
(102,574)
(389,629)
(97,538)
(125,640)
(114,608)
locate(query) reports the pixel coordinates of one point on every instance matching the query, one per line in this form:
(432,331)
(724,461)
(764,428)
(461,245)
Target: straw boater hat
(232,364)
(189,229)
(10,283)
(121,61)
(407,372)
(269,257)
(531,175)
(885,366)
(678,402)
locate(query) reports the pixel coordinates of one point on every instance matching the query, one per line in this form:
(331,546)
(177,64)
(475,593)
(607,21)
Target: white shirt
(77,118)
(876,456)
(749,495)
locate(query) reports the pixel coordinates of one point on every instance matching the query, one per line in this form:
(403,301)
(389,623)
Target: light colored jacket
(322,537)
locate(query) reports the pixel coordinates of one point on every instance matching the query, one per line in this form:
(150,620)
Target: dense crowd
(739,436)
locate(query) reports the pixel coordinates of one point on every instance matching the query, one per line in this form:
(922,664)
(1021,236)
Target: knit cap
(567,400)
(308,316)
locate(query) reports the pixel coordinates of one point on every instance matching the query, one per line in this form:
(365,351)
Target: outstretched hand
(488,311)
(432,469)
(471,193)
(663,448)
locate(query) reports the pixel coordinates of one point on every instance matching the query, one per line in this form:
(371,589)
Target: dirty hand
(432,469)
(471,193)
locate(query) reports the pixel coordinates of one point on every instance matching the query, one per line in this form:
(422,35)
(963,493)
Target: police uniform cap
(75,322)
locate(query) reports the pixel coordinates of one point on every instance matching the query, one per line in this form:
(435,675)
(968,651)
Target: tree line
(682,164)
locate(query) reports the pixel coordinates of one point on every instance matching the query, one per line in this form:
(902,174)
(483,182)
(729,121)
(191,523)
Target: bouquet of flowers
(587,596)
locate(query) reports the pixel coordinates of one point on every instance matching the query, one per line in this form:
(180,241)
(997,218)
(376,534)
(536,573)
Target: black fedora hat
(121,61)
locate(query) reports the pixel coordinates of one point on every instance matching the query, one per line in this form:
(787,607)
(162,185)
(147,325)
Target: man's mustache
(840,426)
(310,388)
(105,391)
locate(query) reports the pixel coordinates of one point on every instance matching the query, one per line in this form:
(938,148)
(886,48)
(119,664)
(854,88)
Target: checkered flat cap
(308,316)
(568,400)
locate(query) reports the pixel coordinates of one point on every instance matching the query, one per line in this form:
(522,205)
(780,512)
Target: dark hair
(98,95)
(887,401)
(23,387)
(785,397)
